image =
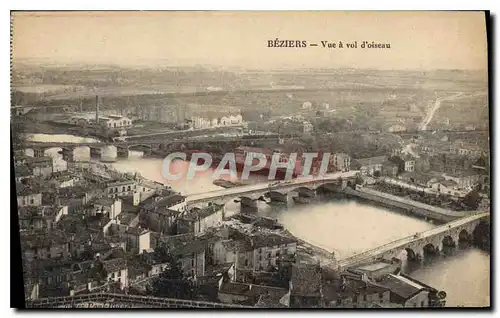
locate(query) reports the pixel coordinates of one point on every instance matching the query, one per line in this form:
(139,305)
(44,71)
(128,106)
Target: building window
(128,188)
(422,303)
(364,297)
(32,201)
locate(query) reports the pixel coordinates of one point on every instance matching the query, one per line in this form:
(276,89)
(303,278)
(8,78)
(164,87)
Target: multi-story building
(468,149)
(409,163)
(41,166)
(44,245)
(199,220)
(308,127)
(28,195)
(341,162)
(110,208)
(268,249)
(138,240)
(356,293)
(253,253)
(464,179)
(108,121)
(120,188)
(40,217)
(189,253)
(215,119)
(369,166)
(116,270)
(406,291)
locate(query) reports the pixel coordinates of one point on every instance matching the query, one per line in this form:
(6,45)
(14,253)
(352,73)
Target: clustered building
(433,164)
(93,230)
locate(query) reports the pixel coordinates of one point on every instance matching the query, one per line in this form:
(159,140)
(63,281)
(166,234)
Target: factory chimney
(96,110)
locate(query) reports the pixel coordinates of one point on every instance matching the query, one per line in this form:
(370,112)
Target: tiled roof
(269,240)
(105,201)
(157,201)
(243,245)
(115,265)
(136,231)
(126,217)
(32,240)
(42,211)
(401,286)
(185,245)
(22,189)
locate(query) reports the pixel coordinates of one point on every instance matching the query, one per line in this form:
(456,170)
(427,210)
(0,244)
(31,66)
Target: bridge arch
(449,241)
(328,187)
(464,236)
(306,191)
(139,147)
(430,249)
(411,255)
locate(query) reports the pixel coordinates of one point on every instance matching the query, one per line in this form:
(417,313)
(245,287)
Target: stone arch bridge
(277,191)
(419,244)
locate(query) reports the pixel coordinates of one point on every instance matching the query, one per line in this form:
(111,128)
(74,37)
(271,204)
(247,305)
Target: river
(347,227)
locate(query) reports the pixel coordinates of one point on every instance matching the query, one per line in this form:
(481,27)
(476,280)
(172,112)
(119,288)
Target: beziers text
(286,43)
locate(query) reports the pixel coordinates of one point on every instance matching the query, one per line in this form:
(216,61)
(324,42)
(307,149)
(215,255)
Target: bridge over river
(431,241)
(150,142)
(275,189)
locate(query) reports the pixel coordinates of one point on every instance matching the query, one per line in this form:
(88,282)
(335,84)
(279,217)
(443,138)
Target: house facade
(341,162)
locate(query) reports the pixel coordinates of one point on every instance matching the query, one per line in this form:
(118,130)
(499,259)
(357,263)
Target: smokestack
(96,110)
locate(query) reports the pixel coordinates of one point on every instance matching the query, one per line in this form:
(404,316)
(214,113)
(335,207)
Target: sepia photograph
(251,159)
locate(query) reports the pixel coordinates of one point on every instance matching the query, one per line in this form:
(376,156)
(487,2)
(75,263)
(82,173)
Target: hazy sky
(427,40)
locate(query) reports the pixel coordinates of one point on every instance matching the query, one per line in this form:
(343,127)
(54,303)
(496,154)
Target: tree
(171,283)
(472,199)
(399,162)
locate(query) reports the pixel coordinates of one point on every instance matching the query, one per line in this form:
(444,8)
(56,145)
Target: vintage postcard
(231,159)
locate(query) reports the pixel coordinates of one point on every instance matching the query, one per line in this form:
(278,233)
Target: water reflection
(58,138)
(347,227)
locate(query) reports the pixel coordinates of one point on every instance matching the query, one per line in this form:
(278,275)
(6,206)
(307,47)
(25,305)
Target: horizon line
(141,63)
